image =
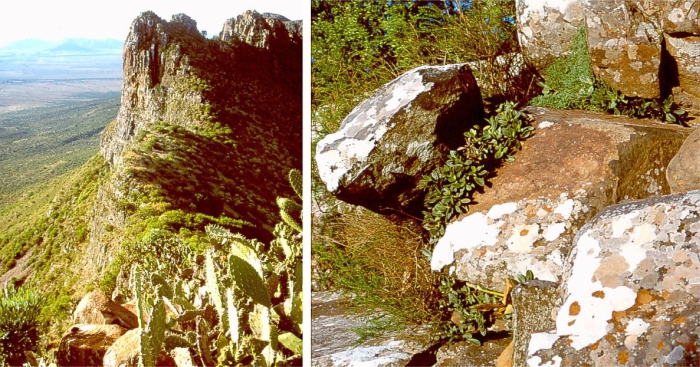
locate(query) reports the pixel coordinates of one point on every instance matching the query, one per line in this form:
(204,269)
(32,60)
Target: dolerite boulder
(546,29)
(574,165)
(631,290)
(404,130)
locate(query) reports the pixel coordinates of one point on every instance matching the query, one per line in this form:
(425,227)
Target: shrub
(20,323)
(449,187)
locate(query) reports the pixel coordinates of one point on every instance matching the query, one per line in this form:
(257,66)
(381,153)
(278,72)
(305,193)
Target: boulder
(85,345)
(625,54)
(546,29)
(574,165)
(683,172)
(681,16)
(126,350)
(533,303)
(97,308)
(631,289)
(400,133)
(686,55)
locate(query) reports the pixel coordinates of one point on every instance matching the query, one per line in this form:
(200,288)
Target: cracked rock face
(625,54)
(389,141)
(546,28)
(261,31)
(573,166)
(631,289)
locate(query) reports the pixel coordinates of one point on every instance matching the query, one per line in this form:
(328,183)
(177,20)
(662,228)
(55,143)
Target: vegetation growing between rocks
(449,188)
(569,83)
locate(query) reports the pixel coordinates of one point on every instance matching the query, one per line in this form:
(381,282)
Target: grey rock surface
(261,30)
(533,303)
(400,133)
(631,289)
(335,344)
(574,165)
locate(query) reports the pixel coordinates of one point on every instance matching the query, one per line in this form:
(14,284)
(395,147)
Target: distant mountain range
(68,45)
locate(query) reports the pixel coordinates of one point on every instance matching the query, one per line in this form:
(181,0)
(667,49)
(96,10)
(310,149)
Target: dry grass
(382,263)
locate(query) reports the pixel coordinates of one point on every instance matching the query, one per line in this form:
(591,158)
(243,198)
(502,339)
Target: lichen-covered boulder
(625,45)
(546,29)
(631,289)
(574,165)
(404,130)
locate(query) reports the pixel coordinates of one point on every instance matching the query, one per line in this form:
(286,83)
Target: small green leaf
(291,342)
(247,278)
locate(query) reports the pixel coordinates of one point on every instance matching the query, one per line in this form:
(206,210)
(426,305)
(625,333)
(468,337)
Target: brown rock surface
(683,173)
(85,345)
(625,46)
(576,164)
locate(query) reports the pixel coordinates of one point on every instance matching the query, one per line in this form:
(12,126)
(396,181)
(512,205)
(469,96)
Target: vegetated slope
(38,144)
(206,133)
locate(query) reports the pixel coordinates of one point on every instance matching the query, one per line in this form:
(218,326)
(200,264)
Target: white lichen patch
(553,231)
(424,150)
(365,126)
(634,251)
(565,209)
(499,210)
(523,238)
(545,124)
(633,330)
(470,232)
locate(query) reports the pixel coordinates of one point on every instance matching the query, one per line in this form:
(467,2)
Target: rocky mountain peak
(261,30)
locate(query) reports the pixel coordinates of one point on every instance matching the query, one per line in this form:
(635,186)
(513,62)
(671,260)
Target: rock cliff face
(208,127)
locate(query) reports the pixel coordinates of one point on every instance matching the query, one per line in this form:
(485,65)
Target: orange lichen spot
(678,320)
(643,297)
(665,294)
(660,345)
(569,341)
(598,294)
(622,357)
(482,253)
(572,322)
(617,315)
(547,209)
(595,345)
(574,309)
(524,232)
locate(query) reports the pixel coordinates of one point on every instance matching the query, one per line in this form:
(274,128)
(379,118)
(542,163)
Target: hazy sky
(53,20)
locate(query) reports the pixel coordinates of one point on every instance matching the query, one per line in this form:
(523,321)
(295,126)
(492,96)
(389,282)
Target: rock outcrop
(631,289)
(205,126)
(642,48)
(261,30)
(574,165)
(546,29)
(389,141)
(683,172)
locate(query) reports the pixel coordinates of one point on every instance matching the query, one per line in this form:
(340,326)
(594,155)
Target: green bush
(20,323)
